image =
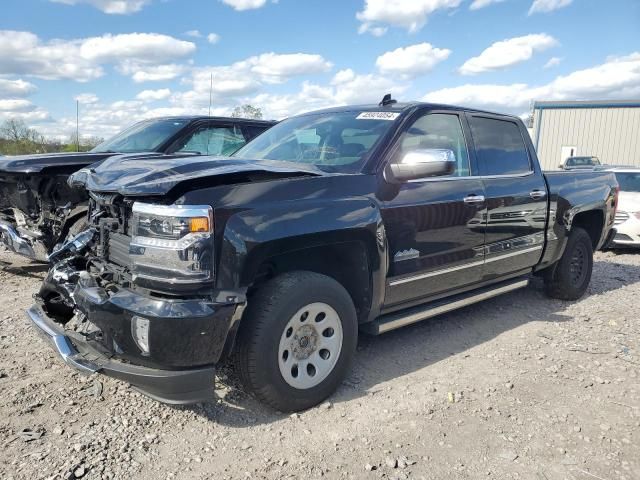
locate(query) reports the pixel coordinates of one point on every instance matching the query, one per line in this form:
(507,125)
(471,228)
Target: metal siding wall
(612,134)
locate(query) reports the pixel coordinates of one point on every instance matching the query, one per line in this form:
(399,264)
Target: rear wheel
(297,340)
(570,277)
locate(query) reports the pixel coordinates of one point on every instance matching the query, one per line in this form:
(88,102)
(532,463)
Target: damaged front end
(132,297)
(37,212)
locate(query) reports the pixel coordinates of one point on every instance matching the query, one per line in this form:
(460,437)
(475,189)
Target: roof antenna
(387,100)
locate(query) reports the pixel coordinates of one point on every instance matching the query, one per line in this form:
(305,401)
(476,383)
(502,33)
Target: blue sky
(132,59)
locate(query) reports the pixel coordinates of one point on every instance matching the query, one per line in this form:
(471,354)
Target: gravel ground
(518,387)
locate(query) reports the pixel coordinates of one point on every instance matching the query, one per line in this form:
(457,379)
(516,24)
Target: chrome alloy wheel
(310,346)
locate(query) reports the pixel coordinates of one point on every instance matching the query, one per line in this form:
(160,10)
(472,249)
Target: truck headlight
(172,244)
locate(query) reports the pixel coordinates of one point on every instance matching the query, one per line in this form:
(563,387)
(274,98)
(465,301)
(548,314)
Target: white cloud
(545,6)
(154,95)
(87,98)
(375,31)
(30,117)
(245,4)
(346,88)
(483,96)
(23,53)
(16,105)
(478,4)
(617,78)
(15,88)
(145,48)
(21,109)
(552,62)
(153,73)
(213,38)
(274,68)
(193,33)
(107,119)
(412,60)
(408,14)
(232,83)
(120,7)
(352,88)
(507,53)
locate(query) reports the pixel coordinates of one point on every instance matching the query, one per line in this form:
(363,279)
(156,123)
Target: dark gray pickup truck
(362,218)
(38,207)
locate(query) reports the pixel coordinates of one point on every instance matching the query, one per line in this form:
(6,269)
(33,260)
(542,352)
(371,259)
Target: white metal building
(609,130)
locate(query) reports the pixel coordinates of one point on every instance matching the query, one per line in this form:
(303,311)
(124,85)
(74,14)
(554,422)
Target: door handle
(474,199)
(538,194)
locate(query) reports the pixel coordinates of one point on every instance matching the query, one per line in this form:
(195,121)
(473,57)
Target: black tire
(569,278)
(269,311)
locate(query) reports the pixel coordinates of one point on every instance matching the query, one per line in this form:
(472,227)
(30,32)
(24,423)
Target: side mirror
(416,164)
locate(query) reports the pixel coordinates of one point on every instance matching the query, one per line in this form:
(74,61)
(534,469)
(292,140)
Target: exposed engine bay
(98,255)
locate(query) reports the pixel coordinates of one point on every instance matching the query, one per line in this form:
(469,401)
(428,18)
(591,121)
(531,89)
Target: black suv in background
(355,218)
(38,209)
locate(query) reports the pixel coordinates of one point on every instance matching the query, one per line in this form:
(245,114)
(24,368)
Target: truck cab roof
(402,107)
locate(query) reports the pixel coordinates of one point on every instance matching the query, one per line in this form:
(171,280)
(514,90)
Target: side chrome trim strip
(436,272)
(472,177)
(402,321)
(401,281)
(512,254)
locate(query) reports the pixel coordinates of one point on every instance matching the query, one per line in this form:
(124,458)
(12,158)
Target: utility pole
(210,94)
(77,125)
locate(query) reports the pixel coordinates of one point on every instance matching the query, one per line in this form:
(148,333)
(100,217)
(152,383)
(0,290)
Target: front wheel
(570,277)
(297,340)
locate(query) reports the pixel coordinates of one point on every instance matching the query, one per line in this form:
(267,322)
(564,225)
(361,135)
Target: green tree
(84,145)
(17,138)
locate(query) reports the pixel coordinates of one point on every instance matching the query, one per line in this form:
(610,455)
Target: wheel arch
(343,240)
(592,221)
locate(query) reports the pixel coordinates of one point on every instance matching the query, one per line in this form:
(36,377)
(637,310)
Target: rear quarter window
(499,147)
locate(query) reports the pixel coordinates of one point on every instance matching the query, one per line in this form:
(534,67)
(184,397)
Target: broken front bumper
(168,386)
(11,239)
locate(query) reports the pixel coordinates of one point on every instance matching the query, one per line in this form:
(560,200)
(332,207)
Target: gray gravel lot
(519,387)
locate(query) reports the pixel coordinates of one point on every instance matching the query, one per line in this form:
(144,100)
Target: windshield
(330,141)
(145,136)
(628,181)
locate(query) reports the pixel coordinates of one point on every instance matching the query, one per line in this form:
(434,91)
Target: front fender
(251,237)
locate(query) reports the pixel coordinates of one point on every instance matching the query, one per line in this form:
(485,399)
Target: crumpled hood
(159,174)
(37,163)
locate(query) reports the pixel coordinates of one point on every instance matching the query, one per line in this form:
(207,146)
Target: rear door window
(500,148)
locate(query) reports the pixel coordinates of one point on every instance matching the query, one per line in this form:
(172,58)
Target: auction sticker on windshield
(378,116)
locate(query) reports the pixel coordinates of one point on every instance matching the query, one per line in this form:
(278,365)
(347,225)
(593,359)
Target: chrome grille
(621,217)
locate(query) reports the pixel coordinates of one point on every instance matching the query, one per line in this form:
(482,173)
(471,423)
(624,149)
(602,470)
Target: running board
(391,321)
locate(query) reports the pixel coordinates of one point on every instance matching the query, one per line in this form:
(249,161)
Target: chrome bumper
(14,242)
(60,342)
